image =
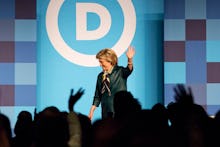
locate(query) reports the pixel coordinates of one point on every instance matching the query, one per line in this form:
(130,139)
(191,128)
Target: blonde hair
(109,55)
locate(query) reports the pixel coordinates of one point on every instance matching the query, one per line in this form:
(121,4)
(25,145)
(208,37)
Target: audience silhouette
(189,121)
(5,131)
(182,123)
(23,130)
(51,128)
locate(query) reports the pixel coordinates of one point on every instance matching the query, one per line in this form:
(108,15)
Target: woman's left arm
(130,54)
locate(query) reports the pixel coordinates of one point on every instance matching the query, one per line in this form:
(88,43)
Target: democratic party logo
(82,33)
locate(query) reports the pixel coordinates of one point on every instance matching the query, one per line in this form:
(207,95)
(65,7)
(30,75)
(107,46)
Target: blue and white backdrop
(71,32)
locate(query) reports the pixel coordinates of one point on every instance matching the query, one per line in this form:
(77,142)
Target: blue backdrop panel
(70,33)
(198,30)
(18,28)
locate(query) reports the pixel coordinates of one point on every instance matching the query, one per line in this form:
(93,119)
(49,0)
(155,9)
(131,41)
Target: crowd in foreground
(182,123)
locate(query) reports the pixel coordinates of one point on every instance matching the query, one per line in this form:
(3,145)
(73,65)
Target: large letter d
(81,21)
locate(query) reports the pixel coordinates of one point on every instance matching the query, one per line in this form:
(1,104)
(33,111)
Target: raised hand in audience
(74,98)
(183,94)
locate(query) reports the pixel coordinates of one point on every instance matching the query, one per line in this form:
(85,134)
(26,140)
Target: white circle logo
(82,59)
